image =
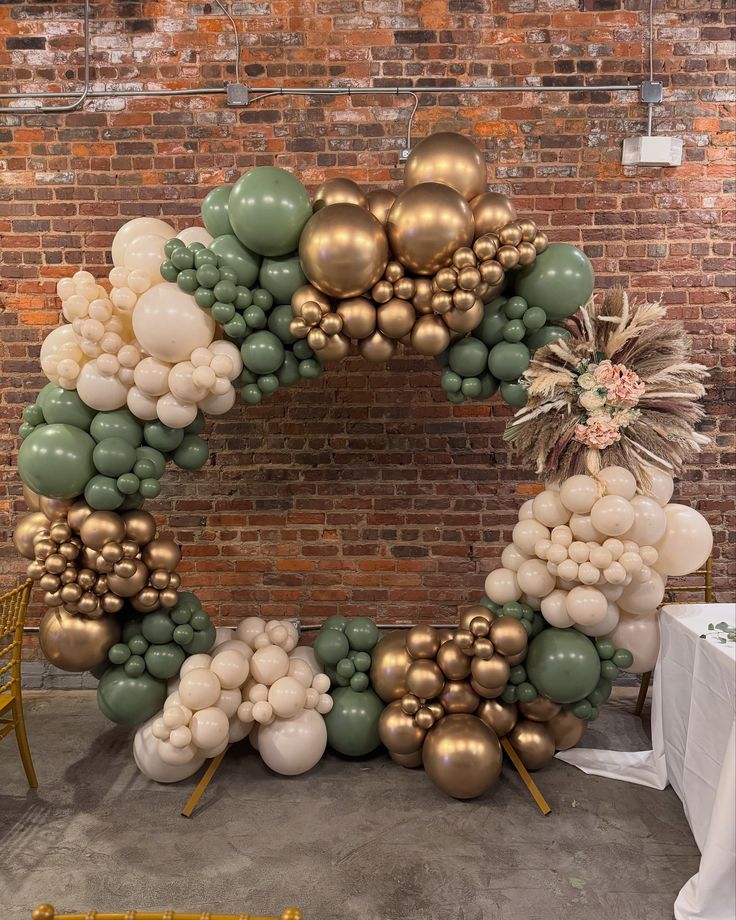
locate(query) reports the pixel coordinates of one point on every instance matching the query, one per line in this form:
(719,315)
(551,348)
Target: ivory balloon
(617,480)
(293,746)
(534,578)
(100,391)
(209,727)
(640,635)
(612,515)
(145,254)
(604,626)
(195,235)
(687,541)
(549,509)
(512,557)
(582,529)
(462,756)
(149,762)
(586,605)
(502,587)
(526,512)
(554,609)
(579,493)
(199,688)
(528,533)
(231,668)
(650,521)
(269,663)
(661,485)
(139,226)
(169,325)
(491,212)
(642,596)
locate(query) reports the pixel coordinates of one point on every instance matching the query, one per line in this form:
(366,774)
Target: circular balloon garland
(272,288)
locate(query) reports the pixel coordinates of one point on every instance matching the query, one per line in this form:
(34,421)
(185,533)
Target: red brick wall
(366,492)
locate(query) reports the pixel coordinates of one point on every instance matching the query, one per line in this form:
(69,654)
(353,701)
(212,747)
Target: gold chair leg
(22,738)
(643,689)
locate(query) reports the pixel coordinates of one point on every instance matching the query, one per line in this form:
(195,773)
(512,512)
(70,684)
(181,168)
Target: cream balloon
(512,557)
(602,627)
(650,521)
(293,746)
(526,512)
(502,587)
(640,635)
(145,254)
(231,668)
(209,727)
(200,660)
(199,689)
(99,391)
(287,696)
(579,493)
(533,578)
(661,485)
(306,654)
(687,541)
(218,403)
(151,376)
(617,480)
(182,385)
(582,528)
(195,235)
(586,606)
(229,700)
(148,759)
(174,413)
(247,629)
(612,515)
(142,406)
(527,533)
(139,226)
(169,325)
(642,596)
(269,663)
(554,609)
(549,509)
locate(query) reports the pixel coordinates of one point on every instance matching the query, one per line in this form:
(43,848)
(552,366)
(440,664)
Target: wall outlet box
(237,95)
(652,151)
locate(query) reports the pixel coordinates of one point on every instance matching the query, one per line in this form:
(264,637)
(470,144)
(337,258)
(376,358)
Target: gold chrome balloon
(128,585)
(410,761)
(339,191)
(162,553)
(394,271)
(422,295)
(508,636)
(453,662)
(343,250)
(464,320)
(377,348)
(490,672)
(31,498)
(380,201)
(540,710)
(566,730)
(398,731)
(507,257)
(337,348)
(540,242)
(430,335)
(55,509)
(450,159)
(533,743)
(102,527)
(427,223)
(404,288)
(498,716)
(389,666)
(382,292)
(75,643)
(306,293)
(458,696)
(527,253)
(491,212)
(396,318)
(529,229)
(462,756)
(358,317)
(77,514)
(425,679)
(423,642)
(27,528)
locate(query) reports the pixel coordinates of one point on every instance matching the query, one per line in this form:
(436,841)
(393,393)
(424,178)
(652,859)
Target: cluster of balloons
(111,458)
(343,647)
(255,683)
(594,555)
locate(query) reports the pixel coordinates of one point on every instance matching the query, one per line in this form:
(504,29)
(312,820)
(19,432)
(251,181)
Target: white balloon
(223,634)
(99,391)
(218,404)
(238,730)
(642,596)
(549,509)
(306,653)
(228,350)
(610,591)
(301,670)
(502,587)
(152,376)
(568,570)
(661,485)
(586,605)
(169,325)
(142,406)
(554,609)
(609,622)
(199,688)
(145,254)
(149,762)
(200,660)
(578,551)
(617,480)
(287,696)
(687,541)
(527,533)
(182,385)
(195,235)
(533,578)
(249,628)
(209,727)
(230,667)
(233,644)
(512,557)
(293,746)
(173,413)
(601,557)
(588,574)
(612,515)
(640,635)
(579,493)
(268,664)
(650,521)
(228,701)
(562,535)
(582,528)
(526,512)
(139,226)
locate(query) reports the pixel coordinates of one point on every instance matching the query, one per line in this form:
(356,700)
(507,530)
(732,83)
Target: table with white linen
(693,748)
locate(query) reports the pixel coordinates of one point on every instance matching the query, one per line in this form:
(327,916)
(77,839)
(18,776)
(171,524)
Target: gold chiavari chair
(47,912)
(13,606)
(704,584)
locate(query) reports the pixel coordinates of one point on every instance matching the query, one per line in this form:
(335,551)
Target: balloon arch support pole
(214,765)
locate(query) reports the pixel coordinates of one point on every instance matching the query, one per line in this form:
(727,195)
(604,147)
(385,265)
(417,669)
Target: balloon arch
(271,289)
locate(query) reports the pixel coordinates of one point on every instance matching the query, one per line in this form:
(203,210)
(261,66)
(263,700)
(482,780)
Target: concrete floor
(363,840)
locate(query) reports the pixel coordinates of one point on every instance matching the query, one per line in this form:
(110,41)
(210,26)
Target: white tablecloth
(693,748)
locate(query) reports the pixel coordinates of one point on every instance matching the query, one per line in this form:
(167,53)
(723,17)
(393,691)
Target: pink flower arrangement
(624,386)
(607,393)
(598,431)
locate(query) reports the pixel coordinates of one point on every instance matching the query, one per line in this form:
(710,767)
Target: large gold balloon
(410,761)
(423,641)
(343,250)
(464,320)
(75,643)
(490,672)
(129,585)
(430,335)
(566,730)
(78,514)
(453,662)
(398,731)
(458,696)
(161,554)
(339,191)
(450,159)
(427,223)
(389,666)
(462,756)
(498,716)
(491,212)
(308,293)
(508,636)
(31,498)
(102,527)
(539,710)
(533,743)
(336,348)
(380,201)
(425,679)
(25,531)
(377,348)
(477,610)
(55,509)
(396,318)
(140,526)
(358,317)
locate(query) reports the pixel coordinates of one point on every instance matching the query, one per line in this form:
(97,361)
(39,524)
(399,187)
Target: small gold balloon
(511,234)
(55,509)
(380,202)
(55,563)
(464,257)
(427,223)
(500,717)
(469,278)
(69,551)
(540,242)
(424,718)
(68,575)
(102,565)
(159,579)
(435,707)
(339,191)
(389,666)
(35,569)
(377,348)
(528,229)
(477,610)
(311,313)
(446,279)
(49,582)
(458,696)
(168,598)
(425,679)
(539,710)
(483,648)
(404,288)
(112,552)
(316,339)
(162,553)
(125,568)
(52,599)
(508,636)
(490,672)
(343,250)
(463,639)
(396,318)
(463,300)
(394,271)
(88,604)
(479,626)
(146,599)
(485,247)
(430,335)
(77,514)
(566,730)
(513,660)
(26,530)
(448,158)
(331,323)
(410,761)
(127,586)
(298,328)
(527,253)
(130,549)
(410,704)
(111,603)
(441,302)
(491,271)
(358,317)
(43,548)
(86,578)
(60,531)
(462,756)
(305,294)
(491,212)
(453,662)
(398,732)
(101,586)
(71,593)
(102,527)
(533,743)
(507,257)
(422,293)
(337,348)
(382,292)
(31,498)
(464,320)
(423,642)
(446,635)
(174,580)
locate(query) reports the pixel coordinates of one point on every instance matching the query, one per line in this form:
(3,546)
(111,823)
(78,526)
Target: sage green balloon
(164,661)
(65,407)
(268,209)
(192,453)
(41,398)
(330,646)
(559,281)
(155,457)
(231,252)
(262,352)
(202,640)
(514,394)
(102,494)
(129,700)
(490,328)
(544,336)
(281,276)
(362,634)
(56,460)
(161,437)
(114,456)
(279,320)
(352,723)
(563,665)
(120,423)
(288,373)
(215,211)
(508,360)
(468,357)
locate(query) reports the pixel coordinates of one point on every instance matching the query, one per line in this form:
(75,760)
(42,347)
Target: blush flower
(628,389)
(598,431)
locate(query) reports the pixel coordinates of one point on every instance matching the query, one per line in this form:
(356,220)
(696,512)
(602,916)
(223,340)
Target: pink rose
(628,389)
(605,373)
(599,431)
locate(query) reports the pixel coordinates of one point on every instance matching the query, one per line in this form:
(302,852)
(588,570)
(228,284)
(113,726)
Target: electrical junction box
(652,151)
(237,95)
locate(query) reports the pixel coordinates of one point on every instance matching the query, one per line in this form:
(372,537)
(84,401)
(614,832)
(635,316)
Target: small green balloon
(129,700)
(170,246)
(488,386)
(136,642)
(154,457)
(362,634)
(526,692)
(301,350)
(134,666)
(43,393)
(255,317)
(182,258)
(450,381)
(236,328)
(512,609)
(192,453)
(490,328)
(65,407)
(202,640)
(288,373)
(268,383)
(208,276)
(102,494)
(352,723)
(262,352)
(514,394)
(128,483)
(161,437)
(229,274)
(187,281)
(199,619)
(168,271)
(34,415)
(262,298)
(310,369)
(335,621)
(471,387)
(514,330)
(515,307)
(345,668)
(204,257)
(119,653)
(222,312)
(164,661)
(359,682)
(508,360)
(251,395)
(468,357)
(609,670)
(601,692)
(225,292)
(559,281)
(361,660)
(623,658)
(281,276)
(279,320)
(25,429)
(183,634)
(204,298)
(545,336)
(509,694)
(534,319)
(114,456)
(214,211)
(144,469)
(605,648)
(517,675)
(243,297)
(268,209)
(331,646)
(232,253)
(56,460)
(120,423)
(150,488)
(582,710)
